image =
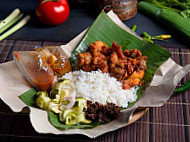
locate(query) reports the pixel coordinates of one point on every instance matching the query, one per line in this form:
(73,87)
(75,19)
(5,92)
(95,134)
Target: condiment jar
(125,9)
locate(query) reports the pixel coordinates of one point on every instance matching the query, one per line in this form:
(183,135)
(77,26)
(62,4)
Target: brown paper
(13,84)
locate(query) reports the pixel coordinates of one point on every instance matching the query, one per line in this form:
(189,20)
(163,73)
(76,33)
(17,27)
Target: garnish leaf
(54,120)
(29,97)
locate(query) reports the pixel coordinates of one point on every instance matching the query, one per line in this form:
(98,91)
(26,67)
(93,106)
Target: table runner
(171,122)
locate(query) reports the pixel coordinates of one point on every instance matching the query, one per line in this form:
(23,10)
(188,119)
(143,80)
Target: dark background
(82,15)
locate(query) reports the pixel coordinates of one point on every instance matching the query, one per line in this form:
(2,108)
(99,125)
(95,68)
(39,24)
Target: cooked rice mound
(100,87)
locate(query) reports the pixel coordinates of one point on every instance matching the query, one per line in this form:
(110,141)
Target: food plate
(158,88)
(139,112)
(106,30)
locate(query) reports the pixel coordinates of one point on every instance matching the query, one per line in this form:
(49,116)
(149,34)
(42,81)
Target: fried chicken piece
(126,53)
(141,64)
(129,69)
(125,75)
(84,59)
(114,58)
(118,49)
(117,72)
(127,84)
(133,80)
(137,74)
(122,63)
(118,69)
(135,53)
(97,47)
(103,67)
(98,59)
(132,61)
(88,68)
(106,51)
(94,50)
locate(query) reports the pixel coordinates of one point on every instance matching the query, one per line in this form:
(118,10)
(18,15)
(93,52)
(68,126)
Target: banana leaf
(168,18)
(106,30)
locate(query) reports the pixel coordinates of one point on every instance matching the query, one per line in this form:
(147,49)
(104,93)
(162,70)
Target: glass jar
(125,9)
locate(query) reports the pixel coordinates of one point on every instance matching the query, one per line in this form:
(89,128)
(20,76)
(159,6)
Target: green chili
(161,37)
(145,34)
(150,38)
(134,28)
(147,39)
(184,87)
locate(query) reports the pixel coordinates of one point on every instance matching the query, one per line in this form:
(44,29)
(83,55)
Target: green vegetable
(72,116)
(150,39)
(29,99)
(170,19)
(58,92)
(147,37)
(55,92)
(145,34)
(43,101)
(134,28)
(55,102)
(9,18)
(184,87)
(15,28)
(186,13)
(54,120)
(11,23)
(161,37)
(75,115)
(179,6)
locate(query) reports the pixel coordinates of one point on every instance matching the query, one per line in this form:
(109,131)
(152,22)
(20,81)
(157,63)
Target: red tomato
(52,12)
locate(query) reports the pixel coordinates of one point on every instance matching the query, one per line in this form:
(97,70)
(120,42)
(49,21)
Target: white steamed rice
(100,87)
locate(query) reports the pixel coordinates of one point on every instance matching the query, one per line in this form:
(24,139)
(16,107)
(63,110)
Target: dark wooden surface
(169,123)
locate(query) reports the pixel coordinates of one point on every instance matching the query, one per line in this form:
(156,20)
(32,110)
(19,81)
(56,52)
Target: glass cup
(125,9)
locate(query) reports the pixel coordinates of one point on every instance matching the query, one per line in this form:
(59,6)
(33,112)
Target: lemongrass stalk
(11,23)
(16,27)
(9,18)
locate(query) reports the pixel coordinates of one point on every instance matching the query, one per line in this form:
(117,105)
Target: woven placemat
(171,122)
